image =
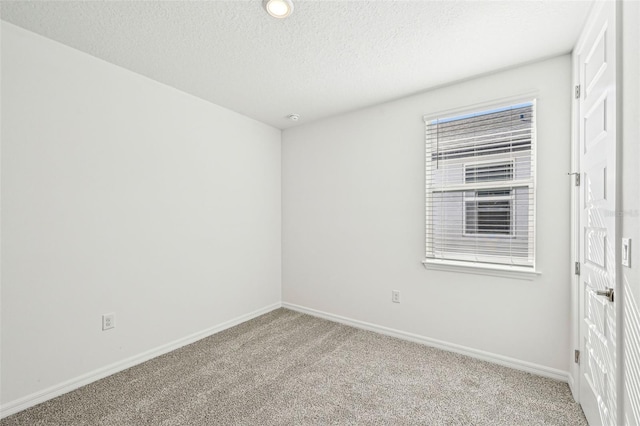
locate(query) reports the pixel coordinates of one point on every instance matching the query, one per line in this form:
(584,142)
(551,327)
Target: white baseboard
(77,382)
(517,364)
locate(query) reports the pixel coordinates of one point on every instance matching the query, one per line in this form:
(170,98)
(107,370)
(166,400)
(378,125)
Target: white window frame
(475,264)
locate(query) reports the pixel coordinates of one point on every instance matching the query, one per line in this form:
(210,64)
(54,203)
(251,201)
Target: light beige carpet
(287,368)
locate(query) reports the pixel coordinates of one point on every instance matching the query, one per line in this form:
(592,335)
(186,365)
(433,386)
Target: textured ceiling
(327,58)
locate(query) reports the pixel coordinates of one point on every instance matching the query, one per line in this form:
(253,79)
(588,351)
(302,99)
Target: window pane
(489,217)
(480,186)
(489,172)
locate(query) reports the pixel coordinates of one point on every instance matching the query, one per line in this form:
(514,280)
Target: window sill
(518,272)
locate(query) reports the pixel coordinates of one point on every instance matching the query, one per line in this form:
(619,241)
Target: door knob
(608,293)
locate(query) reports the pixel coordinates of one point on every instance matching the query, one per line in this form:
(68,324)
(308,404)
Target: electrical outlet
(395,296)
(108,321)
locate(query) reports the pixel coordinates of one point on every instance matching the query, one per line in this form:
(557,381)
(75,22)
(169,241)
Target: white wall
(631,206)
(120,194)
(353,224)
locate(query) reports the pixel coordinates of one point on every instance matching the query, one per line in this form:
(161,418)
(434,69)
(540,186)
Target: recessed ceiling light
(293,117)
(278,8)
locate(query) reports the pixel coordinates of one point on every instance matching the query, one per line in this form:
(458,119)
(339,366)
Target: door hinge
(578,91)
(576,176)
(576,356)
(576,268)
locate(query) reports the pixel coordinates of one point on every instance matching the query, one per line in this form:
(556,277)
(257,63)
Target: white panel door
(597,143)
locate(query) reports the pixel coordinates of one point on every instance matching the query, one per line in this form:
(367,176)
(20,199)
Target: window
(480,187)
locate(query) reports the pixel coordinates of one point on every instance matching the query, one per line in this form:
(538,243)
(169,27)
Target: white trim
(574,368)
(504,184)
(517,364)
(495,270)
(533,227)
(35,398)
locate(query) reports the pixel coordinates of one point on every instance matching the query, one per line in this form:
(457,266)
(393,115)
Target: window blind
(480,186)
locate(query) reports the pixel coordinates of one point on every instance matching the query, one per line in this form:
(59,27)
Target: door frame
(574,332)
